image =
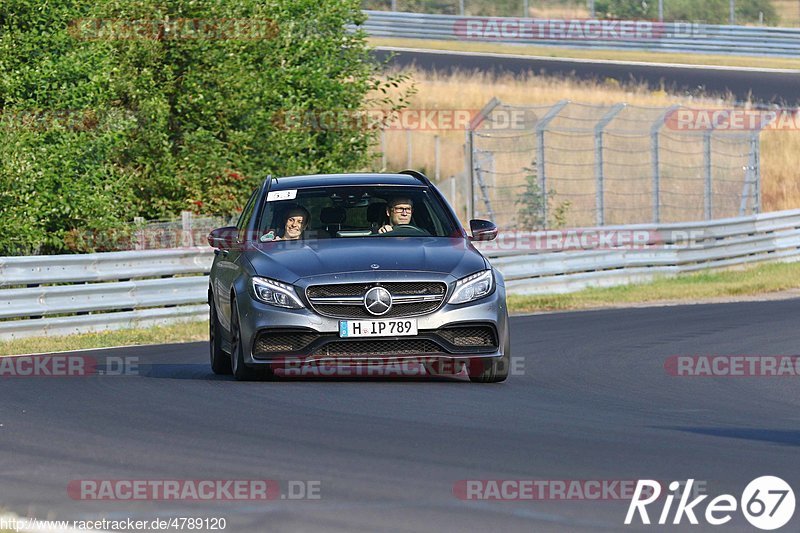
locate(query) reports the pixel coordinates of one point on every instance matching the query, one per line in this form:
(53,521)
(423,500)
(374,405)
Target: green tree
(177,123)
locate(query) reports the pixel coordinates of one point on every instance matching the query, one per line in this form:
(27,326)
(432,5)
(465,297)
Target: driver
(399,211)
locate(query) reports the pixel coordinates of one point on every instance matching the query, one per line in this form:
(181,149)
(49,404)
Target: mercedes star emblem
(374,266)
(378,301)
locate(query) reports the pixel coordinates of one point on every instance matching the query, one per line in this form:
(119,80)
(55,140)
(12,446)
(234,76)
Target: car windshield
(351,212)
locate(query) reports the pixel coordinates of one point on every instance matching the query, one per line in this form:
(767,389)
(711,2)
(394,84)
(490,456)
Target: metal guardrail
(665,250)
(102,291)
(117,290)
(643,35)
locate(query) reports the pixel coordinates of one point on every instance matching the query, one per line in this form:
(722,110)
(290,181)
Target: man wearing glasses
(399,211)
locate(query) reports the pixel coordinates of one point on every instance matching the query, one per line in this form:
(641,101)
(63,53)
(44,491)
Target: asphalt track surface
(594,403)
(766,86)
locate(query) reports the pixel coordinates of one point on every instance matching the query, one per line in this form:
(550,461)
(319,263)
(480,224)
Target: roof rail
(416,174)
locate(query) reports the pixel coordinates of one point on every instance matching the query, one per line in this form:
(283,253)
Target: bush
(95,131)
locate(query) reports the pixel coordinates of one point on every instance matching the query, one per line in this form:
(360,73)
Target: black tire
(220,361)
(239,370)
(491,369)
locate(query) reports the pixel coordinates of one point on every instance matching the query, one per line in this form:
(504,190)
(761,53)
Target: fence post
(454,194)
(755,143)
(141,243)
(383,151)
(436,154)
(541,129)
(470,144)
(409,146)
(598,160)
(473,125)
(186,229)
(655,160)
(655,163)
(707,190)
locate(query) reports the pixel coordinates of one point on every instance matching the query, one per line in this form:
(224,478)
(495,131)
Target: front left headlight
(272,292)
(473,287)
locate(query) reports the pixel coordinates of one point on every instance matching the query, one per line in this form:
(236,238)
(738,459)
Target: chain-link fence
(186,231)
(574,165)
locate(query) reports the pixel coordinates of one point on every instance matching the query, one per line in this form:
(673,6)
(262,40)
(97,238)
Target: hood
(289,261)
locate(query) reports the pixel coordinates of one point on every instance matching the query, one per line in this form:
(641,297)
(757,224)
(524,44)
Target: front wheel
(220,361)
(491,369)
(240,371)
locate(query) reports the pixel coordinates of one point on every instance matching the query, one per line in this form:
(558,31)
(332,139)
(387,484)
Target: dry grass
(789,11)
(175,333)
(714,286)
(780,149)
(545,9)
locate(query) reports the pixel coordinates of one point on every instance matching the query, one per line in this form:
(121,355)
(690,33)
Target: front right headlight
(473,287)
(275,293)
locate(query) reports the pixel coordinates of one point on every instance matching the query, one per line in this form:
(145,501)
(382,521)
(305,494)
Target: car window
(358,211)
(245,216)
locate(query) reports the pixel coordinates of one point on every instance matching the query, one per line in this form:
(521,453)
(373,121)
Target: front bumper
(460,332)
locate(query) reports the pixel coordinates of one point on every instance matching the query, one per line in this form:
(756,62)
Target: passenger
(295,222)
(399,211)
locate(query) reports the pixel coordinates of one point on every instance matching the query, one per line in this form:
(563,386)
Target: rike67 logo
(767,503)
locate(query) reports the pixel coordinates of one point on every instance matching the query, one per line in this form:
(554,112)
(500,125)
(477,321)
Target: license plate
(377,328)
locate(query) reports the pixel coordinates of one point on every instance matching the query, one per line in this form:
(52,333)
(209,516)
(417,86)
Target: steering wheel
(406,230)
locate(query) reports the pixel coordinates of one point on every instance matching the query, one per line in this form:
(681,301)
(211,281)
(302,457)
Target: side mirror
(223,238)
(482,230)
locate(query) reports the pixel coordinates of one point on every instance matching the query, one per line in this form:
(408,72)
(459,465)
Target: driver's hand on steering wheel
(385,229)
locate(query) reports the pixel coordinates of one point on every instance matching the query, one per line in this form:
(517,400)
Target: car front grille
(468,336)
(472,338)
(346,300)
(378,348)
(282,341)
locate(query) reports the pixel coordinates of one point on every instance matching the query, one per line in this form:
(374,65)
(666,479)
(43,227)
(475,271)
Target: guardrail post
(598,160)
(541,129)
(707,190)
